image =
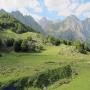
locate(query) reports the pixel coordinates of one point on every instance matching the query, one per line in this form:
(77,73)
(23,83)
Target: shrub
(38,48)
(9,42)
(51,76)
(0,55)
(53,41)
(42,79)
(64,42)
(0,43)
(17,45)
(81,47)
(24,46)
(29,38)
(27,46)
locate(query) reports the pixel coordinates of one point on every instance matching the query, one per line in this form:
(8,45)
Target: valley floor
(17,65)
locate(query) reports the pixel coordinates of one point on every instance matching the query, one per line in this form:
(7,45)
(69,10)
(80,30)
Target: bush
(53,41)
(64,42)
(38,48)
(67,42)
(0,43)
(42,79)
(29,38)
(24,46)
(27,46)
(17,46)
(9,42)
(51,76)
(0,55)
(56,42)
(81,47)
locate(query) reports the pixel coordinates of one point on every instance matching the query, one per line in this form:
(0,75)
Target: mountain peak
(17,12)
(73,17)
(2,11)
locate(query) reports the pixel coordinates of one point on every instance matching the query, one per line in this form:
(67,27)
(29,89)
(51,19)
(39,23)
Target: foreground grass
(81,82)
(17,65)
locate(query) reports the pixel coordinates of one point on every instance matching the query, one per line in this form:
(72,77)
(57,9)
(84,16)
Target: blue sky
(51,9)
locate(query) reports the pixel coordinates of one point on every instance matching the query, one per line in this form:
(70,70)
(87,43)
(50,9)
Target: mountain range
(71,28)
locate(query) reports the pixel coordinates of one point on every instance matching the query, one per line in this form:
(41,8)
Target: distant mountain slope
(50,27)
(71,28)
(28,21)
(7,21)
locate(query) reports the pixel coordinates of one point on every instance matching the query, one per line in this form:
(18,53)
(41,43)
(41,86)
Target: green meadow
(16,65)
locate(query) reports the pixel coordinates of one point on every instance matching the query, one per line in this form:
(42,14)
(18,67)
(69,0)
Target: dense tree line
(56,41)
(82,47)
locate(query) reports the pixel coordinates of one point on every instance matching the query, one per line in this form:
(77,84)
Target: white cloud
(57,5)
(63,7)
(87,14)
(82,8)
(67,7)
(20,4)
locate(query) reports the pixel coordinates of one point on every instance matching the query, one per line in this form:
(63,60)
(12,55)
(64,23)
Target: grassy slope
(9,33)
(15,65)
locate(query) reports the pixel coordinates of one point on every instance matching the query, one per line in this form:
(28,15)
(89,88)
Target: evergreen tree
(24,46)
(17,45)
(0,43)
(9,42)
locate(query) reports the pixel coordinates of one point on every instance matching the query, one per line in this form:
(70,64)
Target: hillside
(27,20)
(9,22)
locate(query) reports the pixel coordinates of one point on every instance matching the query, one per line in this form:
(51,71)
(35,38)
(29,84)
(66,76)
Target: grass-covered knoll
(10,34)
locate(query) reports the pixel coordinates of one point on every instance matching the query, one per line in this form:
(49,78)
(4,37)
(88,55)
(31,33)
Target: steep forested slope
(9,22)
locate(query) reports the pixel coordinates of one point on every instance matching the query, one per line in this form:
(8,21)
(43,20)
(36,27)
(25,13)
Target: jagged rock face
(28,21)
(71,28)
(50,27)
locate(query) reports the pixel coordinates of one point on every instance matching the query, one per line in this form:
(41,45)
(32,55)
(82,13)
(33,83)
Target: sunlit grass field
(18,65)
